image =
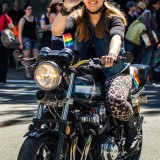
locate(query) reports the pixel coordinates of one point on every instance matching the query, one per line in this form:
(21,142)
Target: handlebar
(66,56)
(95,62)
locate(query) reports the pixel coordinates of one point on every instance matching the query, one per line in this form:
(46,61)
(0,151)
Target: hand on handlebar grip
(108,61)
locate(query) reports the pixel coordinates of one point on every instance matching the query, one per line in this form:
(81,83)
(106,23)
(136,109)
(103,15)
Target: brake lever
(28,61)
(96,62)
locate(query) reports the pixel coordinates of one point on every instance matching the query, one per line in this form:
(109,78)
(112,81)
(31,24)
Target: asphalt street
(18,107)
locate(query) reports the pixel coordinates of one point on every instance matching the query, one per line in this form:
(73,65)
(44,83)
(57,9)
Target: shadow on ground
(19,117)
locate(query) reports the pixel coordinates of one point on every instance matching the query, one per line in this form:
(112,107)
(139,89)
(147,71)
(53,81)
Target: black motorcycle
(72,121)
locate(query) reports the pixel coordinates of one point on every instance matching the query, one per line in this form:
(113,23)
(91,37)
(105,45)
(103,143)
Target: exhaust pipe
(51,96)
(41,95)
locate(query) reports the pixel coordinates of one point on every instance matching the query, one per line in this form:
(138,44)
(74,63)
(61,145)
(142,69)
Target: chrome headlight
(47,75)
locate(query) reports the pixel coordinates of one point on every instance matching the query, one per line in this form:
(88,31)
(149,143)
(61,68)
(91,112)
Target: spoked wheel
(37,149)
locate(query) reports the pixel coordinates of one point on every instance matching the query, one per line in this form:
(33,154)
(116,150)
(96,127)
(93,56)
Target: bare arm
(44,26)
(36,30)
(115,45)
(59,24)
(52,18)
(10,26)
(20,30)
(114,49)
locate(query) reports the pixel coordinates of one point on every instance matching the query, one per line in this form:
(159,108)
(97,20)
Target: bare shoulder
(22,20)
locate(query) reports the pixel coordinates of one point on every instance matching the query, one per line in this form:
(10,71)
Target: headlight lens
(47,75)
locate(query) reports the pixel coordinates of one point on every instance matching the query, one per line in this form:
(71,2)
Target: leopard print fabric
(117,90)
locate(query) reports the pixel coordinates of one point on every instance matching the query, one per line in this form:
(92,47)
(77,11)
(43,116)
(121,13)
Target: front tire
(37,149)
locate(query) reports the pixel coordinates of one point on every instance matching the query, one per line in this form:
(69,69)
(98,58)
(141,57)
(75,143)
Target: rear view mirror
(127,57)
(17,55)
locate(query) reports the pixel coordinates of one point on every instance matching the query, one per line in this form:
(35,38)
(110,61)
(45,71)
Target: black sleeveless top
(46,19)
(29,29)
(46,37)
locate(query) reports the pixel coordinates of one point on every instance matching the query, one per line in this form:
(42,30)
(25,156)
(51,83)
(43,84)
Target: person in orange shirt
(15,14)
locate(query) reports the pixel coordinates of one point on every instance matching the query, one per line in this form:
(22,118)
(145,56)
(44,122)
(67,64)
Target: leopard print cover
(117,90)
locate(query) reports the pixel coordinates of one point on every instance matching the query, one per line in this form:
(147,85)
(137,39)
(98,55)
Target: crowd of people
(26,30)
(148,13)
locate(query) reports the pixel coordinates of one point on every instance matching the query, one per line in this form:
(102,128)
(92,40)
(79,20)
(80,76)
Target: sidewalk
(12,74)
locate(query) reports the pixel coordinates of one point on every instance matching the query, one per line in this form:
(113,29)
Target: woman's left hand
(108,60)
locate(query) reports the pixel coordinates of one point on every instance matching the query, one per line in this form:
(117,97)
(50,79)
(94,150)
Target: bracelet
(65,12)
(113,55)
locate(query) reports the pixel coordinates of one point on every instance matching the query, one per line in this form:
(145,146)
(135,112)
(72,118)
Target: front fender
(41,133)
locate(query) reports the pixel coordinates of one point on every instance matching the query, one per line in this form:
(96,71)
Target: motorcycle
(72,121)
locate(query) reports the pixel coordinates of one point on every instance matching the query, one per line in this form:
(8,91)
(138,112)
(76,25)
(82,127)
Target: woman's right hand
(21,46)
(69,4)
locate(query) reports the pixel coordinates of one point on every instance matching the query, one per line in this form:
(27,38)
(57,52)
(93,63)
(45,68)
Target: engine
(94,117)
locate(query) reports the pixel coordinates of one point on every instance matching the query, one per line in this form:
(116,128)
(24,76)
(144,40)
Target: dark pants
(3,64)
(57,45)
(46,39)
(134,49)
(10,57)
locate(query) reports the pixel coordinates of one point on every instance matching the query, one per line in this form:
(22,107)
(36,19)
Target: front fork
(61,127)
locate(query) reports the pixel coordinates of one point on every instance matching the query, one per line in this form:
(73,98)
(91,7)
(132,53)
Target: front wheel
(38,149)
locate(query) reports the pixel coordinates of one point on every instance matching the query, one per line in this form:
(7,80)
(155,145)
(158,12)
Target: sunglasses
(59,4)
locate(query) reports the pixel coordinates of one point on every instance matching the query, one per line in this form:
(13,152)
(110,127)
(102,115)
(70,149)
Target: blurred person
(150,21)
(46,28)
(131,47)
(158,19)
(15,13)
(130,16)
(145,1)
(6,22)
(28,36)
(141,7)
(56,41)
(5,5)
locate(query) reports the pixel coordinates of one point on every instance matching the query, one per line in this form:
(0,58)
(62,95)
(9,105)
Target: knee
(115,100)
(119,108)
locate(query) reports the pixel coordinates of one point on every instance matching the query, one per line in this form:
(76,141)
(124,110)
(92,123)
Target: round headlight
(47,75)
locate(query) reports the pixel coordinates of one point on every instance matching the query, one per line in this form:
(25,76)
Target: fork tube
(70,88)
(64,117)
(39,111)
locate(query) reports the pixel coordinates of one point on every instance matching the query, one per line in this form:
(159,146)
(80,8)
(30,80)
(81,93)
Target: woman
(132,47)
(46,28)
(99,28)
(6,22)
(130,16)
(150,21)
(28,36)
(56,41)
(5,5)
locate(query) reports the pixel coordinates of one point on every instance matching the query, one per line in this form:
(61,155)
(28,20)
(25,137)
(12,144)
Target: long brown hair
(82,30)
